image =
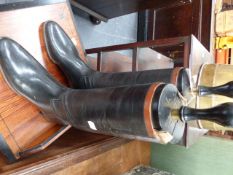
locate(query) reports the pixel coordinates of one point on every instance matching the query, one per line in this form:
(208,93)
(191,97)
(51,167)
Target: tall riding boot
(138,112)
(63,52)
(142,111)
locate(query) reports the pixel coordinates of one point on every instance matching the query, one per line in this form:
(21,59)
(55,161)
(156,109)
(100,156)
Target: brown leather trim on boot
(148,110)
(175,75)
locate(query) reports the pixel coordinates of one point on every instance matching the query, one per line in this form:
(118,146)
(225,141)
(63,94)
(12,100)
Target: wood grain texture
(72,147)
(78,152)
(113,162)
(22,124)
(189,18)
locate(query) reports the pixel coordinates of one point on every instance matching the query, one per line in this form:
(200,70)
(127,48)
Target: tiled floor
(116,31)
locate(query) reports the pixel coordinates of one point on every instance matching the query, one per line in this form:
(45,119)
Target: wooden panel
(73,148)
(23,126)
(190,18)
(179,19)
(116,161)
(206,23)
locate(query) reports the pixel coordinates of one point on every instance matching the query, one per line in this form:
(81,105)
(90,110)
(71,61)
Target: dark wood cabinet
(176,21)
(107,9)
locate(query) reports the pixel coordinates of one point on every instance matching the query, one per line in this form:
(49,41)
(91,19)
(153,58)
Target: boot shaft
(140,112)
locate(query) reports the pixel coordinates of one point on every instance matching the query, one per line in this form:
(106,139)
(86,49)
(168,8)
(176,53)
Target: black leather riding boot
(63,52)
(142,111)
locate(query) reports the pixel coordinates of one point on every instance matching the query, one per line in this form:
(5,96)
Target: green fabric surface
(208,156)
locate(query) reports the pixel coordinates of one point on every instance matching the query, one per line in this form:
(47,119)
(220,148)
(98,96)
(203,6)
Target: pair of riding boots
(127,104)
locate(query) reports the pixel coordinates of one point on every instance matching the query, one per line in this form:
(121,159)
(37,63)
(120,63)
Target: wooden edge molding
(151,43)
(45,143)
(59,162)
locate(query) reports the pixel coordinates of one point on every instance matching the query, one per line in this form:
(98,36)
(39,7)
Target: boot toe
(59,45)
(25,75)
(9,62)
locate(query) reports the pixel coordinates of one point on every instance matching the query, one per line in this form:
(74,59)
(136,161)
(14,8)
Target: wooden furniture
(192,55)
(184,42)
(177,21)
(107,9)
(78,152)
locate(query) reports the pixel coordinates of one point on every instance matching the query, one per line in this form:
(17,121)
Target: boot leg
(64,53)
(140,112)
(177,76)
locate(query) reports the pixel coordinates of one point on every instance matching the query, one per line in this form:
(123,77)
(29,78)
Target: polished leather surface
(26,76)
(63,53)
(120,111)
(113,111)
